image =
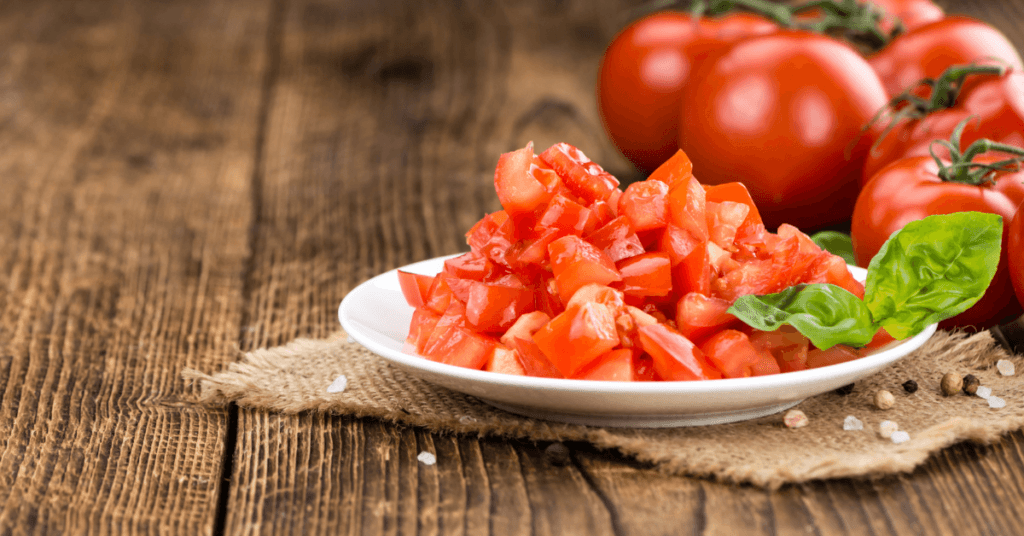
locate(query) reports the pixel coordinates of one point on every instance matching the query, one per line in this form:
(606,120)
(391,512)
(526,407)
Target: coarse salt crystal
(887,428)
(1005,367)
(349,339)
(466,419)
(995,402)
(852,423)
(794,418)
(338,385)
(900,437)
(984,392)
(427,458)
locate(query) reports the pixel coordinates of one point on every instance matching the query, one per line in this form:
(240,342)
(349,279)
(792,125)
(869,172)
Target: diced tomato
(534,361)
(613,366)
(724,220)
(531,251)
(519,190)
(548,299)
(422,325)
(482,232)
(786,344)
(463,348)
(470,265)
(720,260)
(674,170)
(494,307)
(880,339)
(504,360)
(575,263)
(837,354)
(602,212)
(439,296)
(693,274)
(686,208)
(731,352)
(598,294)
(577,336)
(643,369)
(649,274)
(584,178)
(829,268)
(415,287)
(645,204)
(677,243)
(736,192)
(752,277)
(617,240)
(675,357)
(698,315)
(564,214)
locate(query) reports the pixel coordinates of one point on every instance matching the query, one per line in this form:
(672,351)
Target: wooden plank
(380,144)
(128,132)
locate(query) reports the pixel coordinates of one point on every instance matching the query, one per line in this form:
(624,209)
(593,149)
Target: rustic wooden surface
(181,180)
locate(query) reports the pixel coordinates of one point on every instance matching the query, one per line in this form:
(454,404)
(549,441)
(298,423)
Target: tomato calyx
(962,167)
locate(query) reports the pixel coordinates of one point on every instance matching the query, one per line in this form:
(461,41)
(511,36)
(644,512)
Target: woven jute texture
(295,377)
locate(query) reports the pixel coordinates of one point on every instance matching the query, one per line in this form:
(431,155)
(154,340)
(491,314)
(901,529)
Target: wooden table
(181,180)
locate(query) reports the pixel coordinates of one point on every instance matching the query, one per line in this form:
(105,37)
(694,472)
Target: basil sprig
(931,270)
(836,243)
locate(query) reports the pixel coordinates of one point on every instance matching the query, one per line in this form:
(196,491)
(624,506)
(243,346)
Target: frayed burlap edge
(293,378)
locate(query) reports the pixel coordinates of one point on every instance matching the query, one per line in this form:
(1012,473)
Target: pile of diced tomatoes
(578,279)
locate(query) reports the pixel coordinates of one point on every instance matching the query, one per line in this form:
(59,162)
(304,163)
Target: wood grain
(127,132)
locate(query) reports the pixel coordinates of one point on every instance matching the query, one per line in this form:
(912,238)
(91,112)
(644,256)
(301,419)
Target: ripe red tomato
(643,73)
(1015,254)
(910,189)
(926,51)
(995,105)
(783,113)
(912,13)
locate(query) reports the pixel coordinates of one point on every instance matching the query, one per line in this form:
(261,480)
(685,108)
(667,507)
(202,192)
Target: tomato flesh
(577,336)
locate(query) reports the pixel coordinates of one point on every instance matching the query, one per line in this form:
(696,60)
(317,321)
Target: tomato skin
(926,51)
(1015,254)
(912,13)
(732,353)
(675,357)
(649,274)
(909,190)
(575,263)
(785,113)
(577,336)
(643,73)
(415,287)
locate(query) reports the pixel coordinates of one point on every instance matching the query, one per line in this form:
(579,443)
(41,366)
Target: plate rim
(596,387)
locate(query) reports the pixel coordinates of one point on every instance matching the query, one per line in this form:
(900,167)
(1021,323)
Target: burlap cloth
(295,378)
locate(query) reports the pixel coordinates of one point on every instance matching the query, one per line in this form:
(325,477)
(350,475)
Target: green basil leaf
(836,243)
(932,269)
(826,314)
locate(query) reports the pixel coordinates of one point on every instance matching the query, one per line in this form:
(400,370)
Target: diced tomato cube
(675,357)
(575,263)
(548,299)
(470,265)
(693,274)
(837,354)
(519,190)
(531,251)
(461,347)
(504,361)
(724,220)
(829,268)
(565,215)
(577,336)
(686,208)
(786,344)
(534,361)
(880,339)
(649,274)
(598,294)
(720,260)
(614,366)
(439,296)
(645,204)
(766,364)
(752,277)
(673,171)
(698,315)
(415,287)
(482,232)
(737,192)
(584,178)
(643,369)
(494,307)
(731,352)
(602,213)
(422,325)
(617,240)
(524,327)
(677,243)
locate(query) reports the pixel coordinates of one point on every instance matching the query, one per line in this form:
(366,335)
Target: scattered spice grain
(951,384)
(910,386)
(884,399)
(795,418)
(971,384)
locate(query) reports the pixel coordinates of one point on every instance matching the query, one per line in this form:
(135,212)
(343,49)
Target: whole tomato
(643,73)
(1015,253)
(783,113)
(993,103)
(912,13)
(911,189)
(926,51)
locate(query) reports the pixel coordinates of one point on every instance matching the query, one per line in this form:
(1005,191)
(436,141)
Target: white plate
(376,315)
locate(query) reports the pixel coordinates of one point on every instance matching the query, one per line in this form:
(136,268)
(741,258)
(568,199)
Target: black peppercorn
(557,454)
(844,390)
(910,386)
(971,384)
